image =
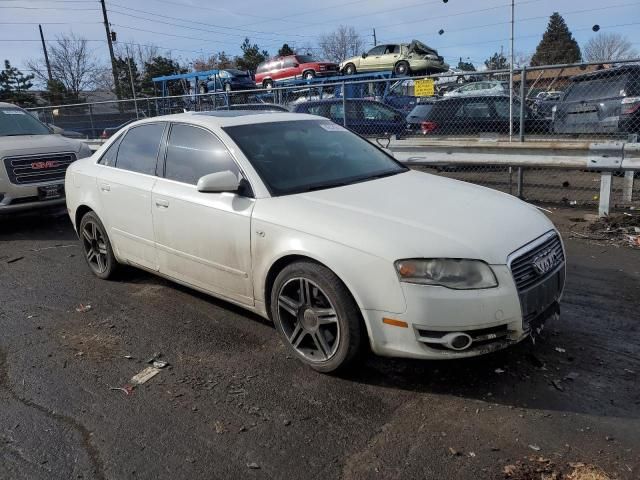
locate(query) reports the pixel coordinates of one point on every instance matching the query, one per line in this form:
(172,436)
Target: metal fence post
(93,131)
(605,194)
(523,85)
(627,186)
(344,104)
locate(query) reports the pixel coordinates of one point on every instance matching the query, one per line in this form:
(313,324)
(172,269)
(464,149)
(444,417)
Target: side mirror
(219,182)
(364,55)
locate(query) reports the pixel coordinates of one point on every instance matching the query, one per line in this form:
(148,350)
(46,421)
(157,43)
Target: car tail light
(428,127)
(630,105)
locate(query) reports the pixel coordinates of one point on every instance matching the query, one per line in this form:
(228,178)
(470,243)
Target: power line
(194,21)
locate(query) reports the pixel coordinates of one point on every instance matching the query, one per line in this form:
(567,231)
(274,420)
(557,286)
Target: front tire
(97,247)
(316,316)
(267,84)
(309,75)
(349,69)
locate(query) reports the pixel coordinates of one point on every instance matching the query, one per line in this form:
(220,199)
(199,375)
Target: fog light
(457,341)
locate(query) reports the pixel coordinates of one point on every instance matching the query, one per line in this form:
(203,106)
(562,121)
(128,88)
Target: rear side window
(193,152)
(474,110)
(597,88)
(138,150)
(109,157)
(372,111)
(289,62)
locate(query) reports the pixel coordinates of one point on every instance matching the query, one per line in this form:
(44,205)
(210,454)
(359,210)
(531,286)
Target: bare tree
(141,54)
(341,44)
(219,60)
(72,64)
(606,47)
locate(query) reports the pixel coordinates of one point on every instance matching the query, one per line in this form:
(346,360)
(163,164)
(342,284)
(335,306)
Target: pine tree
(14,85)
(497,61)
(557,45)
(285,50)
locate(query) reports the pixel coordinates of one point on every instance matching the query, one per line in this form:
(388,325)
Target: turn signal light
(395,323)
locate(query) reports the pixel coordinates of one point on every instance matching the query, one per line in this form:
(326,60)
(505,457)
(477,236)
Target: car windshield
(306,155)
(14,121)
(238,73)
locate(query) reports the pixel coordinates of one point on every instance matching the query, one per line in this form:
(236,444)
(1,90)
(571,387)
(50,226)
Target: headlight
(459,274)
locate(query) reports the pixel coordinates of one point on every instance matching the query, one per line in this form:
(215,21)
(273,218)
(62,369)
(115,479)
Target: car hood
(412,215)
(36,144)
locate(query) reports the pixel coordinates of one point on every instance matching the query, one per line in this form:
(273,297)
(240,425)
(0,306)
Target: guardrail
(603,158)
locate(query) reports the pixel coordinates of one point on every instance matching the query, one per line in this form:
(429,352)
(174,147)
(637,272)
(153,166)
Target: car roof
(466,98)
(607,72)
(229,118)
(5,105)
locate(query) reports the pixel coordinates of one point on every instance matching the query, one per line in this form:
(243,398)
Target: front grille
(38,168)
(522,266)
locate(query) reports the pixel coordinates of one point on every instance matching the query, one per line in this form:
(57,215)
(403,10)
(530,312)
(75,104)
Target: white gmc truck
(33,161)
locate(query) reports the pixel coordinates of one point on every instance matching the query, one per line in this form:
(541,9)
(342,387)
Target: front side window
(306,155)
(478,110)
(336,111)
(15,121)
(379,50)
(193,152)
(138,150)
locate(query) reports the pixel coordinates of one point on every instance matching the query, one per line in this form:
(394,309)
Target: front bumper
(493,318)
(15,199)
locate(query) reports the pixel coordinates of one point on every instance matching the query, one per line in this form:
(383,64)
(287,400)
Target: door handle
(105,187)
(162,203)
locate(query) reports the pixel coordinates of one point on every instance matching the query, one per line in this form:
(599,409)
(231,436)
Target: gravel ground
(233,404)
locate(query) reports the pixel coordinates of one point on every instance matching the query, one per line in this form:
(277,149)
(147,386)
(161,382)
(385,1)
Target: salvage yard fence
(450,119)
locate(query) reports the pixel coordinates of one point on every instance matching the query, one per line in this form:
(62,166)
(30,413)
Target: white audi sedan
(309,225)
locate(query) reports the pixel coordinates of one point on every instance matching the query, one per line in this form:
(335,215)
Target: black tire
(402,68)
(349,69)
(108,266)
(342,335)
(460,80)
(268,83)
(309,75)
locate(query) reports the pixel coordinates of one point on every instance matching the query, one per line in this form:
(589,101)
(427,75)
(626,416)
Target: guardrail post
(627,186)
(605,194)
(520,190)
(523,84)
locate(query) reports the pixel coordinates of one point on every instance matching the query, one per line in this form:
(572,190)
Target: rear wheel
(460,80)
(268,83)
(316,316)
(402,68)
(309,75)
(349,69)
(97,247)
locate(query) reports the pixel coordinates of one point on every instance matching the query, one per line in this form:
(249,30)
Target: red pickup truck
(292,67)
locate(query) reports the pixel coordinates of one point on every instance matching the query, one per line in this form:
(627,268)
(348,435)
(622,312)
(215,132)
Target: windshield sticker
(13,112)
(332,127)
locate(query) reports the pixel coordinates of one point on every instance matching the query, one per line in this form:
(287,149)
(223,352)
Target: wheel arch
(81,211)
(282,262)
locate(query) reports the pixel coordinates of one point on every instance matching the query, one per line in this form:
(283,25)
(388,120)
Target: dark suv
(605,101)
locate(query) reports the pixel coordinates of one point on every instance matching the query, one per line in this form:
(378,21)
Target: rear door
(125,192)
(202,239)
(381,120)
(389,57)
(289,70)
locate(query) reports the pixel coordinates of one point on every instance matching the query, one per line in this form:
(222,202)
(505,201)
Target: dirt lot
(232,404)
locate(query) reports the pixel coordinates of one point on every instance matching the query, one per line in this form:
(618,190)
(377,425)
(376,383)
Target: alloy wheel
(309,320)
(95,247)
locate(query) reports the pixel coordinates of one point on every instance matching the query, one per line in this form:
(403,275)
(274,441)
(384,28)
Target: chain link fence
(561,103)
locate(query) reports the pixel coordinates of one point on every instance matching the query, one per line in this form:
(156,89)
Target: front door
(125,185)
(202,239)
(372,60)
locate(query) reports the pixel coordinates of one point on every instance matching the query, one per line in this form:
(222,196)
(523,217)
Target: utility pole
(375,40)
(511,72)
(46,55)
(114,68)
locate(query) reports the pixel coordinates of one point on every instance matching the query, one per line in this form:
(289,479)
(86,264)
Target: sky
(473,29)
